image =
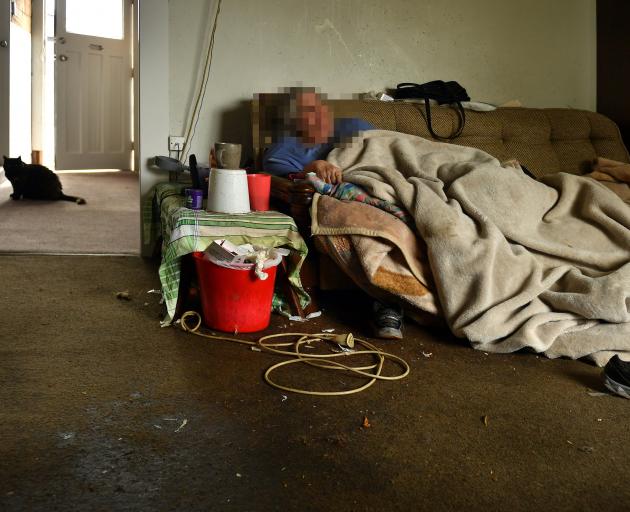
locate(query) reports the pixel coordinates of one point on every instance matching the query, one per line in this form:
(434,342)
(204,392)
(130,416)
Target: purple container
(194,198)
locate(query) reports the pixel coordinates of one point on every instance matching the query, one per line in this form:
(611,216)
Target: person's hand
(325,171)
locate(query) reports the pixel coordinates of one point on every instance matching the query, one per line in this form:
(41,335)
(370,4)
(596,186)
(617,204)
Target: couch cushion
(544,140)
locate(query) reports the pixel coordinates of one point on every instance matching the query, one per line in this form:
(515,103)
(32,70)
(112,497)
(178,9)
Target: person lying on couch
(313,134)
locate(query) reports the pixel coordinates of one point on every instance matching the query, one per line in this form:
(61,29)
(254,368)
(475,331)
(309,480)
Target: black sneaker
(387,321)
(617,376)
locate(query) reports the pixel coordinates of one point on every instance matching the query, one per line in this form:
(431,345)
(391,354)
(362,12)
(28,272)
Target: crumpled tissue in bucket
(244,257)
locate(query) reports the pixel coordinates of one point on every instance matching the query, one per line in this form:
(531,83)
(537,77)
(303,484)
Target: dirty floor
(101,409)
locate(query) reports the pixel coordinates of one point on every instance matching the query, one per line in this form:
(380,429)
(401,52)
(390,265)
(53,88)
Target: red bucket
(234,300)
(259,186)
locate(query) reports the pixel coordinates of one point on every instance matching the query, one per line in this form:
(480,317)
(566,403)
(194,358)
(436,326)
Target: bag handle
(461,115)
(411,89)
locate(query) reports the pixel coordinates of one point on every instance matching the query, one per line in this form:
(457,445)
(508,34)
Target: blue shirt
(291,155)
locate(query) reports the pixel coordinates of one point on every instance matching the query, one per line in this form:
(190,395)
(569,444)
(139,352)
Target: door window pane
(100,18)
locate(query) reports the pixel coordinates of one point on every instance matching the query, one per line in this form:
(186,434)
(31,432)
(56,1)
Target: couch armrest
(293,198)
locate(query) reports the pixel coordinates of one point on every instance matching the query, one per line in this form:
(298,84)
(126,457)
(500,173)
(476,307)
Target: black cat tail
(74,199)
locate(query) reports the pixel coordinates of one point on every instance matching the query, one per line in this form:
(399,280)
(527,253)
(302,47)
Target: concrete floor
(94,397)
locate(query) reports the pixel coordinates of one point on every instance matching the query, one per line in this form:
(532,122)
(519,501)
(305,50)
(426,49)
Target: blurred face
(314,120)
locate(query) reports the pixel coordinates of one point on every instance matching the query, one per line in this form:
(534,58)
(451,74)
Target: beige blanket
(516,262)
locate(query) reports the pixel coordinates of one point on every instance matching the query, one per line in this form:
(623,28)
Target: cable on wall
(201,92)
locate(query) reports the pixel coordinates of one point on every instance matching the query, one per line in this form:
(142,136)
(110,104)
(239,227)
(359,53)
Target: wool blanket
(380,253)
(516,262)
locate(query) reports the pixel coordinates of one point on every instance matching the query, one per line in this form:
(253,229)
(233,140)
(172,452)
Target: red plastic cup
(259,186)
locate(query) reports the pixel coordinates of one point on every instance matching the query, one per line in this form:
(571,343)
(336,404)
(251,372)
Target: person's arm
(283,158)
(280,159)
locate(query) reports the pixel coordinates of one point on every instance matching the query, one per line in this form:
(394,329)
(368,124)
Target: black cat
(33,181)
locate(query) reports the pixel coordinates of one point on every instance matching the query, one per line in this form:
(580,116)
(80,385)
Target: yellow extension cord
(372,372)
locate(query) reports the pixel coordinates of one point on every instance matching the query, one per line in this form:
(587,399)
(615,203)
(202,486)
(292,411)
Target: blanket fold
(378,252)
(516,263)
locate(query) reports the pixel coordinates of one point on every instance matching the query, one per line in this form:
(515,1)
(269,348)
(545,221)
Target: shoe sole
(616,387)
(389,333)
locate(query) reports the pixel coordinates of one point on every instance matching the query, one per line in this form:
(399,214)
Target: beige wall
(151,113)
(538,51)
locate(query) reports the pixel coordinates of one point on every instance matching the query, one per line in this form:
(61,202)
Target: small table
(184,231)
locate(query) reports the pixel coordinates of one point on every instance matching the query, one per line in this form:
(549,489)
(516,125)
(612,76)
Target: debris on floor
(181,426)
(157,292)
(597,393)
(123,295)
(310,316)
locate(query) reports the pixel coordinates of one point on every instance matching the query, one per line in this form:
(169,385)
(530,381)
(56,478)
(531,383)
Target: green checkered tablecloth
(184,231)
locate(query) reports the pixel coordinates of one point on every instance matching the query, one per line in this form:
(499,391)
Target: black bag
(440,91)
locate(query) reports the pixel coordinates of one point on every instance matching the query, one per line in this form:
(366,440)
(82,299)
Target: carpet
(101,409)
(108,224)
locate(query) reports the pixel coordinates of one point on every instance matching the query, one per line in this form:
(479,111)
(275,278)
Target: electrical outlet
(175,143)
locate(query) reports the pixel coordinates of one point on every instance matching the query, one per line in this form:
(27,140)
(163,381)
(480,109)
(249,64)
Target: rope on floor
(345,349)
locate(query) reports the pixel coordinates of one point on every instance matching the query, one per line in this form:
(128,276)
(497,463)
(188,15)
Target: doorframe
(15,99)
(42,85)
(151,105)
(5,83)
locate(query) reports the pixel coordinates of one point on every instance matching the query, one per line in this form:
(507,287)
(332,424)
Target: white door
(93,83)
(5,83)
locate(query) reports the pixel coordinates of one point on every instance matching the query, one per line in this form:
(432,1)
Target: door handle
(98,47)
(63,58)
(4,43)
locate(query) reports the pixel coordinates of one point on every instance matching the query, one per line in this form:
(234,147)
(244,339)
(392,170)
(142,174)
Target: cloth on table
(185,231)
(516,263)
